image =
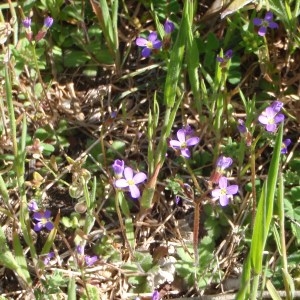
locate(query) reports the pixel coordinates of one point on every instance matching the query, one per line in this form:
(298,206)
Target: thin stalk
(123,229)
(255,284)
(253,177)
(282,235)
(39,75)
(193,176)
(11,111)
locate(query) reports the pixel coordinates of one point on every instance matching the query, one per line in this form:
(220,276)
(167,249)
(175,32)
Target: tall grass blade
(265,208)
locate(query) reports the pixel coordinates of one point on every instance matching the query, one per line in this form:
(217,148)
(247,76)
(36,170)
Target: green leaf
(144,260)
(6,257)
(274,294)
(21,260)
(130,232)
(72,288)
(75,58)
(193,66)
(290,283)
(176,59)
(186,256)
(123,204)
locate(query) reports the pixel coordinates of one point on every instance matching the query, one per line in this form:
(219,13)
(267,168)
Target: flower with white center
(224,192)
(130,181)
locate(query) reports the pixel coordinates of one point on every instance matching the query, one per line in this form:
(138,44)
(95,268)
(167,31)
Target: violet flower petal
(142,42)
(241,127)
(90,260)
(223,182)
(262,31)
(26,22)
(287,142)
(146,52)
(271,127)
(224,162)
(188,130)
(276,106)
(157,44)
(48,22)
(175,144)
(216,193)
(152,36)
(257,21)
(181,135)
(139,177)
(155,295)
(47,214)
(80,250)
(263,119)
(224,200)
(232,189)
(192,141)
(128,173)
(32,206)
(121,183)
(169,26)
(229,53)
(273,25)
(220,59)
(186,153)
(270,112)
(38,226)
(118,167)
(48,258)
(38,216)
(49,225)
(279,118)
(134,191)
(269,16)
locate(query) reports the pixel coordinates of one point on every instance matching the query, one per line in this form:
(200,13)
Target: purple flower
(43,218)
(244,132)
(49,256)
(155,295)
(80,250)
(177,199)
(184,141)
(32,206)
(42,32)
(224,162)
(241,127)
(189,132)
(224,191)
(90,260)
(169,26)
(277,106)
(27,25)
(265,23)
(113,114)
(27,22)
(228,55)
(148,44)
(284,146)
(131,182)
(48,22)
(270,117)
(118,167)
